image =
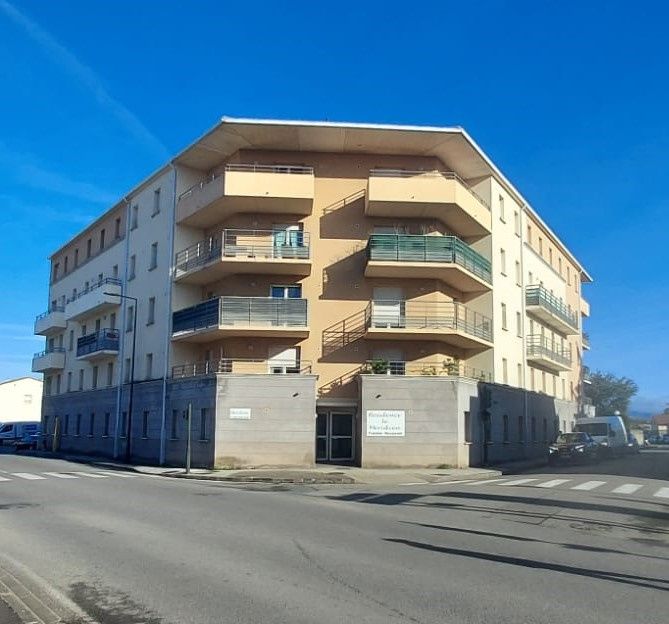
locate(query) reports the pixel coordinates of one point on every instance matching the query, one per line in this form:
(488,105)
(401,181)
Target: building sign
(240,413)
(385,423)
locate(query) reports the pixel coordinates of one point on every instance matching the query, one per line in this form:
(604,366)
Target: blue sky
(570,100)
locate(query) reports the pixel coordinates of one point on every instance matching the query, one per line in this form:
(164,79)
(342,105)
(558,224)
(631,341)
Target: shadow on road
(617,577)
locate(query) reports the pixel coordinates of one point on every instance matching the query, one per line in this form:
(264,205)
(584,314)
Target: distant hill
(640,415)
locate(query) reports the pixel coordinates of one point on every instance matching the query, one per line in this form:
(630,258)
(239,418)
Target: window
(112,320)
(117,228)
(102,239)
(69,381)
(504,326)
(152,311)
(91,425)
(77,426)
(81,379)
(98,325)
(105,429)
(529,234)
(89,248)
(530,277)
(126,375)
(95,377)
(502,261)
(560,266)
(568,276)
(520,375)
(124,424)
(145,424)
(56,268)
(518,274)
(149,365)
(173,428)
(115,271)
(571,390)
(541,246)
(66,425)
(154,256)
(554,385)
(203,424)
(130,319)
(110,373)
(501,209)
(156,202)
(57,384)
(505,428)
(564,389)
(468,427)
(519,325)
(134,220)
(286,292)
(505,371)
(550,256)
(516,222)
(521,429)
(132,267)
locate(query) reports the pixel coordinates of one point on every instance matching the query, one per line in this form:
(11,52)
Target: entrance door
(334,436)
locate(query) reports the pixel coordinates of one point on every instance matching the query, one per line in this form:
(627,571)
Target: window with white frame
(151,317)
(153,263)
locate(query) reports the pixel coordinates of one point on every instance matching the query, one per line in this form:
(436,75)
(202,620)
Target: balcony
(277,189)
(442,368)
(439,195)
(228,366)
(270,252)
(585,308)
(100,297)
(241,316)
(553,311)
(446,321)
(53,320)
(98,345)
(445,258)
(586,341)
(50,360)
(550,355)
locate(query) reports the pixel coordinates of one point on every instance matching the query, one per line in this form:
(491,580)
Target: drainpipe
(168,315)
(119,386)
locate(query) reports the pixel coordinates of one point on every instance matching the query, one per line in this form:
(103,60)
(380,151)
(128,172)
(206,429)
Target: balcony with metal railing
(233,251)
(550,309)
(441,368)
(103,343)
(49,360)
(446,258)
(242,366)
(548,354)
(244,188)
(99,297)
(53,320)
(241,316)
(586,341)
(442,195)
(448,322)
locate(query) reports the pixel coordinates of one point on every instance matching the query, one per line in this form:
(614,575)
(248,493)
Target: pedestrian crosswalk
(652,490)
(9,477)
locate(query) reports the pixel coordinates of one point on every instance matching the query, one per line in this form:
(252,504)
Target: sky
(569,99)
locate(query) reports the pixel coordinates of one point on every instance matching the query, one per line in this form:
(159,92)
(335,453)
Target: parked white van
(608,431)
(11,432)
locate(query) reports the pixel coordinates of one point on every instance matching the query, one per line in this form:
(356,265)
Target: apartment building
(380,295)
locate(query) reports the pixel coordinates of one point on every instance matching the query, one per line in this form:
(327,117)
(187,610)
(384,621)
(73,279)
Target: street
(587,544)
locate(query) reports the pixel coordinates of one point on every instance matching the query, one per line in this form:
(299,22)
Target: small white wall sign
(240,413)
(385,423)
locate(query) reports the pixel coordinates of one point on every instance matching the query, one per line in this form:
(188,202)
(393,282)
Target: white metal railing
(242,366)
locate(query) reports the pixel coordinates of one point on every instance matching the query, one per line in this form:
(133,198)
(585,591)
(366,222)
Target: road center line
(628,488)
(27,475)
(553,483)
(588,485)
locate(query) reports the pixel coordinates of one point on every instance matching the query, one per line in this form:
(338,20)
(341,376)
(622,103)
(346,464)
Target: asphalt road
(587,544)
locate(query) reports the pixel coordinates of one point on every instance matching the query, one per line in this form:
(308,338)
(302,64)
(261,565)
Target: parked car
(632,444)
(29,441)
(608,431)
(577,446)
(11,432)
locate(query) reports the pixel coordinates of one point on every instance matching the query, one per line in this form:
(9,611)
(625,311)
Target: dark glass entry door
(334,436)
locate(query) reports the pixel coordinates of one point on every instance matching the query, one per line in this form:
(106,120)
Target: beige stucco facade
(316,249)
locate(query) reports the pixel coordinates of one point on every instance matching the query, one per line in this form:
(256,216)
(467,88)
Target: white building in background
(20,400)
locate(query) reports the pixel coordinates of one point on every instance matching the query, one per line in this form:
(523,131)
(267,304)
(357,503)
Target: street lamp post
(128,427)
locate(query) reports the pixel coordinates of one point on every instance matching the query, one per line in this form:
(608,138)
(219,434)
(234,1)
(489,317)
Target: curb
(295,480)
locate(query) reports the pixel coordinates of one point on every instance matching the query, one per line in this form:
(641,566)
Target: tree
(610,393)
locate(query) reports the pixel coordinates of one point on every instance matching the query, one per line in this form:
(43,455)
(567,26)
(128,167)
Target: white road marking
(662,493)
(488,481)
(27,475)
(553,483)
(112,473)
(91,475)
(628,488)
(4,479)
(417,483)
(589,485)
(454,481)
(60,475)
(520,481)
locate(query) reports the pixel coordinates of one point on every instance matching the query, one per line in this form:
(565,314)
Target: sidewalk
(319,474)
